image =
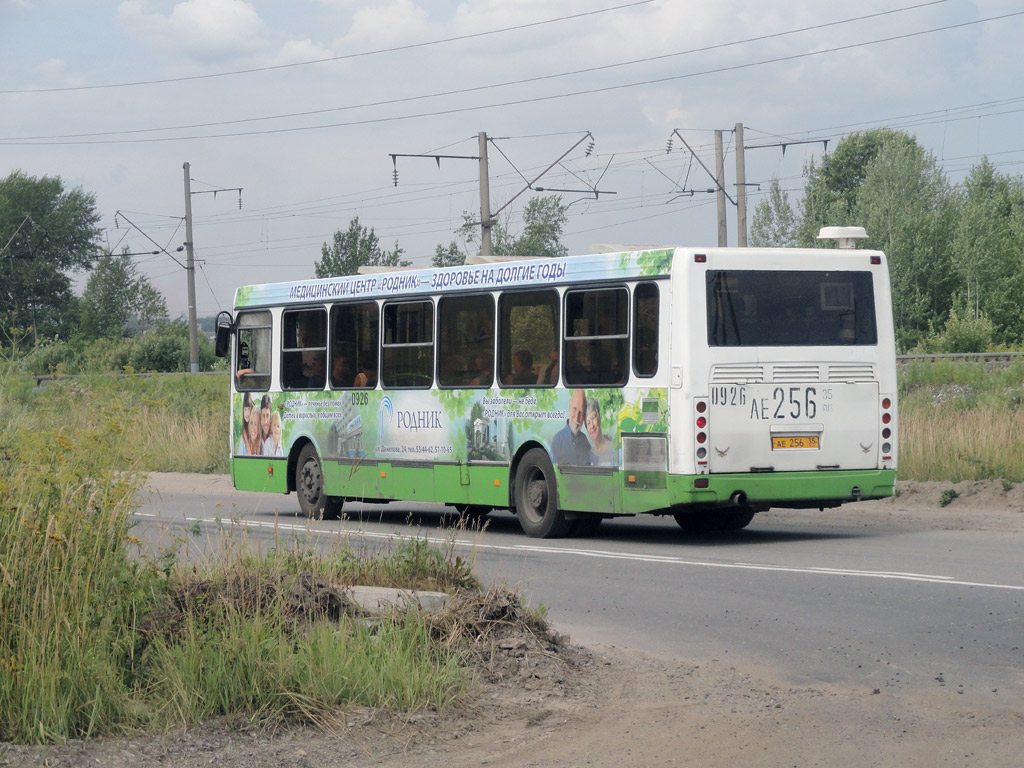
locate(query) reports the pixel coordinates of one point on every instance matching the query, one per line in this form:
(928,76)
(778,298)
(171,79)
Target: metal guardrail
(979,357)
(43,377)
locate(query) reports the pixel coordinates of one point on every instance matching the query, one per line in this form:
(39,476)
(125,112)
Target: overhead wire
(46,140)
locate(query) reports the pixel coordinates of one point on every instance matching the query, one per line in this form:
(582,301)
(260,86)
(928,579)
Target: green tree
(908,209)
(543,220)
(448,256)
(118,301)
(832,188)
(774,224)
(46,233)
(354,248)
(989,261)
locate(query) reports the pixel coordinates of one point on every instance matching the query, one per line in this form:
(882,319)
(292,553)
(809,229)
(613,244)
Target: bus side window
(528,348)
(252,355)
(304,349)
(354,345)
(408,349)
(466,341)
(596,337)
(645,329)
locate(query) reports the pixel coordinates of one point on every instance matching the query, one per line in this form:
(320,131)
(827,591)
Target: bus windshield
(779,308)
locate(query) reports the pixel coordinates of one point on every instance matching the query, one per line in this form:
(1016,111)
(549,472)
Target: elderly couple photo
(581,442)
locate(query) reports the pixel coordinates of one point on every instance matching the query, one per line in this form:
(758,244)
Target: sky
(301,104)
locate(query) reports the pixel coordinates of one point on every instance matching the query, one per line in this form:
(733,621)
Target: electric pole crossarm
(540,175)
(706,169)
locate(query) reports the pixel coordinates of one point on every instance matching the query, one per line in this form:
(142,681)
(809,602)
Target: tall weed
(70,593)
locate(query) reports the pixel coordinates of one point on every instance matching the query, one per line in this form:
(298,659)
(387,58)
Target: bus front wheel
(537,497)
(309,487)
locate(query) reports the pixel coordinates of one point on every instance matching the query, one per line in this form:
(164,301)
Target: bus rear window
(783,308)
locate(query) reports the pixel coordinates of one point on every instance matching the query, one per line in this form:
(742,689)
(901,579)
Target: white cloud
(205,29)
(387,23)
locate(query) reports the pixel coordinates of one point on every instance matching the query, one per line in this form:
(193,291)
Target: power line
(293,65)
(531,100)
(464,91)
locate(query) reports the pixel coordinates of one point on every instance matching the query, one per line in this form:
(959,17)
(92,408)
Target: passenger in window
(601,453)
(549,373)
(483,366)
(313,369)
(367,376)
(570,446)
(341,373)
(522,369)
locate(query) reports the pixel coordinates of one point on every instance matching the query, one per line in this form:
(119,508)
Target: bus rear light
(701,422)
(700,482)
(876,259)
(886,433)
(700,258)
(886,418)
(270,470)
(701,437)
(702,452)
(887,448)
(886,403)
(701,406)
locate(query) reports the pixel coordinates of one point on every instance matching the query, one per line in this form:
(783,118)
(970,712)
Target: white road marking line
(605,554)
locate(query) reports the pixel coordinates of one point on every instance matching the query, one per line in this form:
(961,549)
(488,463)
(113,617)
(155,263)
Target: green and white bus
(705,383)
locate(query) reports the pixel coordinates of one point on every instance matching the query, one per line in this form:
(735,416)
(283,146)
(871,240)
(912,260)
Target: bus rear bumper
(789,489)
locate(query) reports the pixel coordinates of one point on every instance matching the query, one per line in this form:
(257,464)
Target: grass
(165,423)
(961,421)
(100,635)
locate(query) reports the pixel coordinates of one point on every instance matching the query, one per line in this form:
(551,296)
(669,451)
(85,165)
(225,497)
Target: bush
(959,335)
(164,349)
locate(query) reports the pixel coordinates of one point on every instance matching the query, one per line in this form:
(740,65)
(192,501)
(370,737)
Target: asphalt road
(814,604)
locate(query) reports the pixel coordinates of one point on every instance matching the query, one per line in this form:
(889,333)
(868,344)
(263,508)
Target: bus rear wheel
(536,496)
(703,521)
(309,487)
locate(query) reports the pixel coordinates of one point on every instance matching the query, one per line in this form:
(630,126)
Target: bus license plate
(787,443)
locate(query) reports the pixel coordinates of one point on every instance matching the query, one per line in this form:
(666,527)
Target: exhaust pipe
(738,499)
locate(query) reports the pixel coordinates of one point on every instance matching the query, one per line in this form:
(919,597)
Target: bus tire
(537,497)
(704,521)
(309,487)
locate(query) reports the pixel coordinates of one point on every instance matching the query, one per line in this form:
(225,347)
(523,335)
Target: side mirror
(225,327)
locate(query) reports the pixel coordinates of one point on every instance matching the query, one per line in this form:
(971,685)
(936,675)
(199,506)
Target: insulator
(668,147)
(590,148)
(394,175)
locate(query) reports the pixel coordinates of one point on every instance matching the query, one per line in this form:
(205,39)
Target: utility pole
(741,190)
(190,272)
(723,230)
(487,219)
(485,198)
